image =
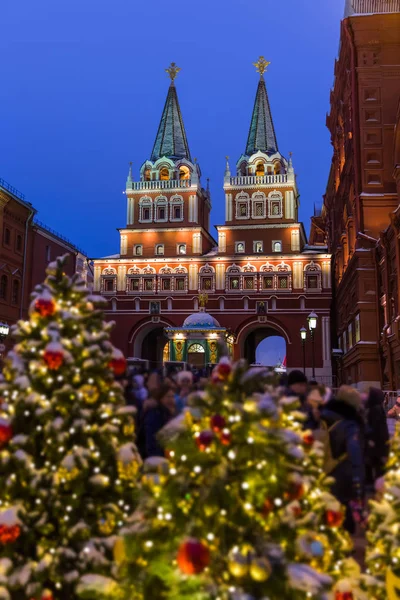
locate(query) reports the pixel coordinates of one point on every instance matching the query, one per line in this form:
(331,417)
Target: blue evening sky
(83,87)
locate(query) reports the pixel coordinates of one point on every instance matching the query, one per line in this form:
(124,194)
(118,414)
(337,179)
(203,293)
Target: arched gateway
(261,275)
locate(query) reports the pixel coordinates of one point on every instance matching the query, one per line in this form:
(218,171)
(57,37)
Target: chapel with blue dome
(200,341)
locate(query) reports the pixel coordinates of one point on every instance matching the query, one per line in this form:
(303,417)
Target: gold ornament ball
(260,569)
(107,524)
(127,471)
(129,428)
(89,393)
(237,568)
(120,551)
(240,559)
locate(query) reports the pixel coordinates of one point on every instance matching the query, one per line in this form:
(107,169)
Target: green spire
(262,133)
(171,138)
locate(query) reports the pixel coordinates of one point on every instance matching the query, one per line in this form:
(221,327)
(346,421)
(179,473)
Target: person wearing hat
(297,386)
(345,423)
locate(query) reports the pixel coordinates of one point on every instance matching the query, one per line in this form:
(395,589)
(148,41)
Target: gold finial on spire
(172,71)
(261,65)
(227,157)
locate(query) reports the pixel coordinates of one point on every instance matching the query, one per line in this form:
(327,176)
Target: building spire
(171,138)
(262,133)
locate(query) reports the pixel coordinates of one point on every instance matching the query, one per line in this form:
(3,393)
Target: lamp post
(303,335)
(4,331)
(312,325)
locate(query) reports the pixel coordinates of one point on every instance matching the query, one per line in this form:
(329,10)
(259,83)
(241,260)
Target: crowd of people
(352,426)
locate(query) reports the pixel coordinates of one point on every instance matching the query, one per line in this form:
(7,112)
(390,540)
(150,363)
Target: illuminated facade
(361,213)
(261,276)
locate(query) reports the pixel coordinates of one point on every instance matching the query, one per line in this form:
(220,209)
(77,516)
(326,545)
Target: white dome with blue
(201,320)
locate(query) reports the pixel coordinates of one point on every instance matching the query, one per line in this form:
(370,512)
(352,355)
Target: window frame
(273,246)
(237,251)
(255,247)
(7,236)
(177,249)
(258,198)
(176,202)
(135,249)
(156,252)
(15,298)
(4,289)
(18,238)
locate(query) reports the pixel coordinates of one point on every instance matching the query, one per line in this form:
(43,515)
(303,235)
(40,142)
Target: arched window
(138,249)
(277,246)
(182,249)
(147,175)
(3,287)
(160,249)
(15,292)
(243,170)
(18,244)
(260,169)
(277,168)
(184,172)
(7,236)
(196,348)
(164,174)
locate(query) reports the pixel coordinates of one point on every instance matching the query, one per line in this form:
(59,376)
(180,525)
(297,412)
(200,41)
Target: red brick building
(262,278)
(360,217)
(26,248)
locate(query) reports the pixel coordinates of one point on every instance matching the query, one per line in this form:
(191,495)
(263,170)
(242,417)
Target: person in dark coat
(297,386)
(343,418)
(377,435)
(156,412)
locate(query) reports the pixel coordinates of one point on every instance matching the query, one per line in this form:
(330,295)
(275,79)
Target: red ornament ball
(295,491)
(344,596)
(334,518)
(308,439)
(53,359)
(8,535)
(217,422)
(118,365)
(204,440)
(224,369)
(193,557)
(45,307)
(268,507)
(47,596)
(6,434)
(225,438)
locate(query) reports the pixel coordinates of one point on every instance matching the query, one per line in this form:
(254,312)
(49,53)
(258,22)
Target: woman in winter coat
(345,424)
(377,434)
(156,413)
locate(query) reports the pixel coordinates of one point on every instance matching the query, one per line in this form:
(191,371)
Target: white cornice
(259,226)
(225,258)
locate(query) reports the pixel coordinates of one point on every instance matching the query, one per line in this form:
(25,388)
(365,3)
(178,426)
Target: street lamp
(312,325)
(4,331)
(303,335)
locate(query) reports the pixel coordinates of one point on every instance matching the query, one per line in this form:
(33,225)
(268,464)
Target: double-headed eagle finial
(172,71)
(261,65)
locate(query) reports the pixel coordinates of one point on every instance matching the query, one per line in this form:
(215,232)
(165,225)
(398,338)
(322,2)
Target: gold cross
(172,71)
(261,65)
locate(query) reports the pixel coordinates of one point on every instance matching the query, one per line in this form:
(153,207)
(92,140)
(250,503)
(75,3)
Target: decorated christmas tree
(383,534)
(240,508)
(67,458)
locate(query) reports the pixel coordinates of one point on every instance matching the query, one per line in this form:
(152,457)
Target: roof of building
(262,133)
(171,138)
(357,7)
(200,320)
